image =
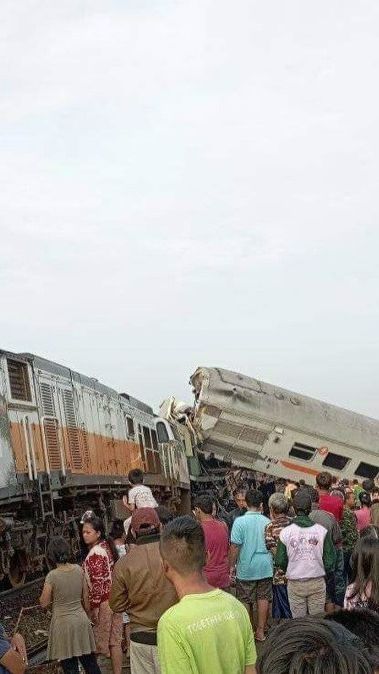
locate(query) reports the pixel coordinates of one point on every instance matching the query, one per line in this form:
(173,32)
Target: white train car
(267,428)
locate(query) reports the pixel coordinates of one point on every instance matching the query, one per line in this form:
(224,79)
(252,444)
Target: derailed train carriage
(268,429)
(67,443)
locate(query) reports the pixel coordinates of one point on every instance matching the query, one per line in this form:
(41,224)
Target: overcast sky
(189,183)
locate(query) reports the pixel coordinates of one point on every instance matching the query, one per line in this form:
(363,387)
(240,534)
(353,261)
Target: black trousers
(88,662)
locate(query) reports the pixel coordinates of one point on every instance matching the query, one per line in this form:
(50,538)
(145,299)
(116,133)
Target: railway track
(20,611)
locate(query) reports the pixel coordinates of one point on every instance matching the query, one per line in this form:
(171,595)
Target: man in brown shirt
(141,588)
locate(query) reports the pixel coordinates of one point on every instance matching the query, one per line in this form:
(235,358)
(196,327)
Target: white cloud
(190,182)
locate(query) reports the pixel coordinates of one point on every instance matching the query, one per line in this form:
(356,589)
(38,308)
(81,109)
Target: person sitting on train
(140,587)
(139,496)
(13,657)
(332,504)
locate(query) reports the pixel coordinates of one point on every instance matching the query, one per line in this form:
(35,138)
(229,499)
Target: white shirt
(142,497)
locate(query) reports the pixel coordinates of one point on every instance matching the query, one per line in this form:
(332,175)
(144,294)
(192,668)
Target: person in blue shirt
(254,567)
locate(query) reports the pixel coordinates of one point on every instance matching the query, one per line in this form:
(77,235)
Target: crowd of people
(295,571)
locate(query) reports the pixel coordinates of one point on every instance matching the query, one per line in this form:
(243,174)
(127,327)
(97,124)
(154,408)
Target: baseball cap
(144,519)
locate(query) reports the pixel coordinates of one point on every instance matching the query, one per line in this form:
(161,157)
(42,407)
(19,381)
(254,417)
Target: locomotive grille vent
(48,405)
(72,430)
(255,435)
(52,443)
(228,428)
(248,434)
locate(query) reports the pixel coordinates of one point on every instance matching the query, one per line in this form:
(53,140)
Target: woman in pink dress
(363,515)
(98,565)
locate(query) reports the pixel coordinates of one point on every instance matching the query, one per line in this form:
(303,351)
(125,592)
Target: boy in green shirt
(208,630)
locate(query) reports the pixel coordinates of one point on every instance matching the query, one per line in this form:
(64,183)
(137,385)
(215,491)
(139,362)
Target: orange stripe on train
(299,469)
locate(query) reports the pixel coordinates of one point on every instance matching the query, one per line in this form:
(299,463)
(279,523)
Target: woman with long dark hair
(363,514)
(364,590)
(98,567)
(71,636)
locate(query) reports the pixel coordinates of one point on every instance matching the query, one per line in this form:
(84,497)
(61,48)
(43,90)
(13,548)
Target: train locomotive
(67,443)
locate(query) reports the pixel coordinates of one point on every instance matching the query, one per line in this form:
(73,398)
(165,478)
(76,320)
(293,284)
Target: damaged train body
(269,429)
(67,443)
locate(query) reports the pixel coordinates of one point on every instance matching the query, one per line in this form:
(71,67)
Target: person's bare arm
(18,643)
(250,669)
(46,595)
(234,551)
(85,598)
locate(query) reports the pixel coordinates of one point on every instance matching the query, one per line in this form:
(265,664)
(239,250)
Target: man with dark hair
(308,647)
(216,542)
(140,587)
(165,515)
(306,553)
(254,569)
(332,504)
(365,625)
(208,631)
(239,496)
(368,485)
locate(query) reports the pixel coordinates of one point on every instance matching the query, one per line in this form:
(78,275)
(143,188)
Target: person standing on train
(329,503)
(216,536)
(140,587)
(98,566)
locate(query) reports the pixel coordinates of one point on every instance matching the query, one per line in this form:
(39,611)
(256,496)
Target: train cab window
(146,436)
(301,451)
(336,461)
(19,380)
(162,432)
(129,426)
(367,470)
(154,439)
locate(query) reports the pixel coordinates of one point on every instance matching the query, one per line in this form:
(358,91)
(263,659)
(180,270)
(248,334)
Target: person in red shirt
(216,543)
(328,502)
